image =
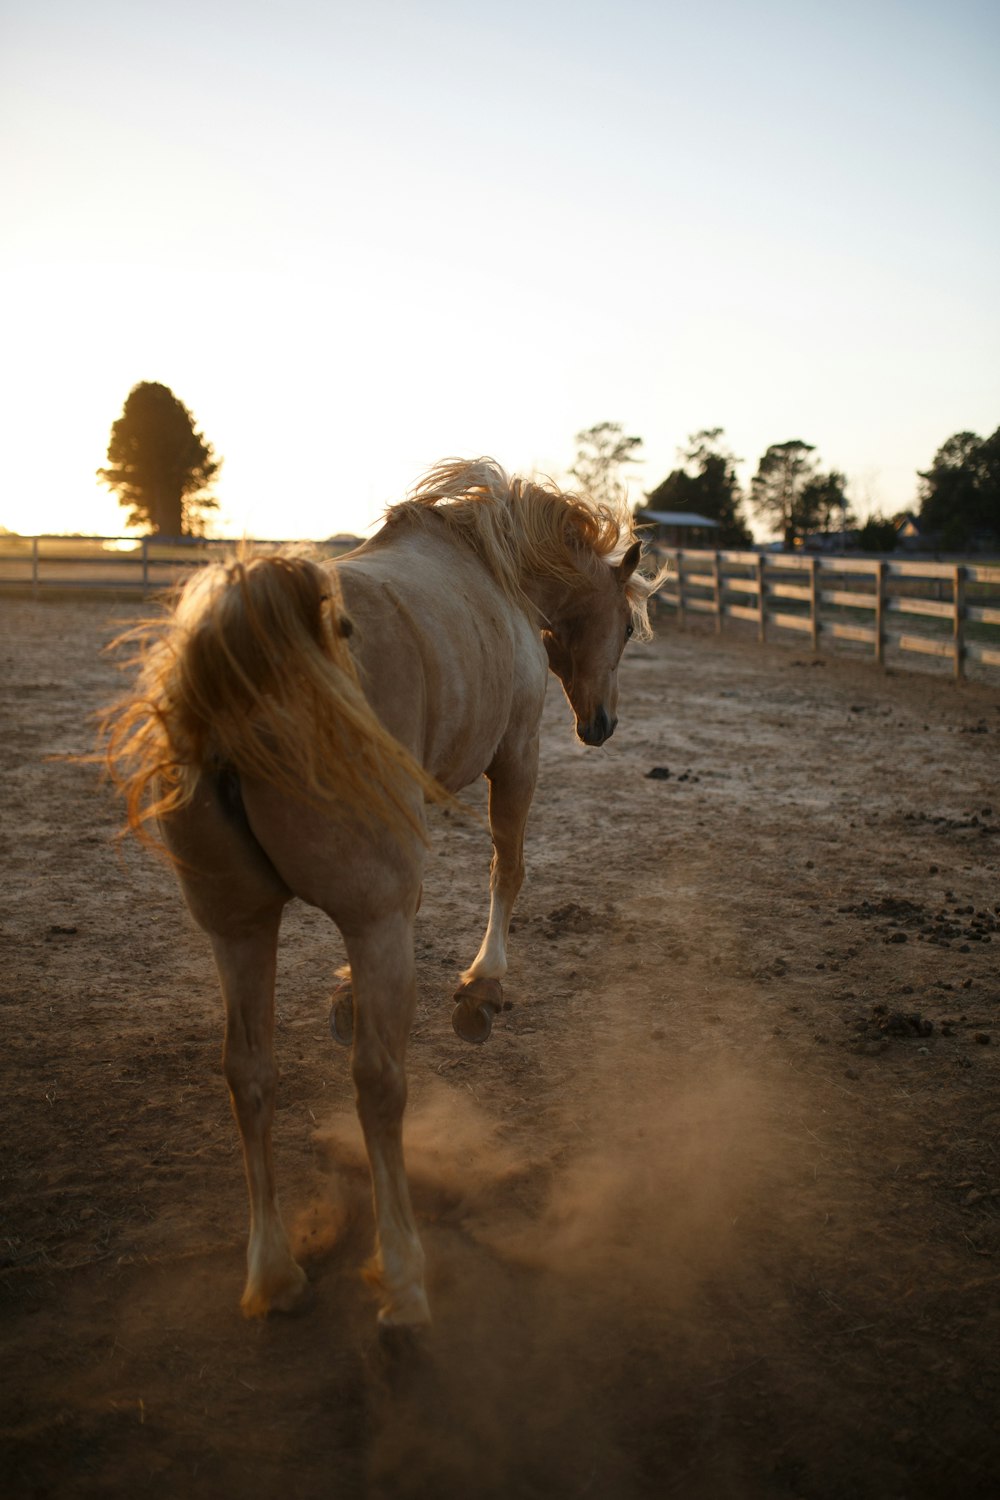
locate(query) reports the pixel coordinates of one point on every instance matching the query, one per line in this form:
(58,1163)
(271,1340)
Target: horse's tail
(252,671)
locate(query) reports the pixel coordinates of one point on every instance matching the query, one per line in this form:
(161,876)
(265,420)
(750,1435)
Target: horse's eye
(629,631)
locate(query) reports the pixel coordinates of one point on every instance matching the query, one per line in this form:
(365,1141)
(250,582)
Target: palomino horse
(288,724)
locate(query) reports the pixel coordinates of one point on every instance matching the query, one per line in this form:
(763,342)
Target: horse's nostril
(599,729)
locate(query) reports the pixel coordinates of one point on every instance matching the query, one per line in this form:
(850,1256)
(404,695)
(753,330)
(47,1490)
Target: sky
(355,239)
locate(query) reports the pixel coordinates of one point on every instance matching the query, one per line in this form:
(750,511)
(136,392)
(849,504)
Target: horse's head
(585,644)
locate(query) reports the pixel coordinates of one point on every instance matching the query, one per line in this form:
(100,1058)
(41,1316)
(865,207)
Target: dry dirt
(715,1212)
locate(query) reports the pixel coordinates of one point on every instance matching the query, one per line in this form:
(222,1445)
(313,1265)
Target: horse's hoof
(278,1294)
(342,1016)
(478,1002)
(473,1023)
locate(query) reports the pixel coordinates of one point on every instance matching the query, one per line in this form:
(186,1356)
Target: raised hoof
(342,1016)
(478,1002)
(472,1024)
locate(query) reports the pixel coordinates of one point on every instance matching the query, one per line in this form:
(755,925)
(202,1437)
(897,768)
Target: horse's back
(446,660)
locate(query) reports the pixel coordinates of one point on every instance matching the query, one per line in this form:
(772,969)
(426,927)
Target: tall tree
(159,466)
(706,485)
(823,503)
(776,488)
(960,492)
(603,452)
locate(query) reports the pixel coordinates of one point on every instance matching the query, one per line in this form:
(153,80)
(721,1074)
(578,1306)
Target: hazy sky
(356,238)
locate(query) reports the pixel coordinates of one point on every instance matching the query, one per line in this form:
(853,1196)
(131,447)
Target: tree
(712,490)
(602,454)
(776,488)
(158,465)
(878,534)
(823,503)
(960,492)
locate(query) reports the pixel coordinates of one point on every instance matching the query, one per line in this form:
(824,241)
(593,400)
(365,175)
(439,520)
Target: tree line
(163,470)
(957,498)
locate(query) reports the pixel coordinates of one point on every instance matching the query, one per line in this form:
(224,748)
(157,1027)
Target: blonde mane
(517,526)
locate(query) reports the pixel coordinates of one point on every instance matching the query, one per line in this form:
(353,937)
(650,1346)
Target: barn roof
(675,518)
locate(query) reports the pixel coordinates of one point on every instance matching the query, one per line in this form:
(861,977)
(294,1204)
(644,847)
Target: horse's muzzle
(600,728)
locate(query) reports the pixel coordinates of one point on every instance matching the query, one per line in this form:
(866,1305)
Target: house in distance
(679,528)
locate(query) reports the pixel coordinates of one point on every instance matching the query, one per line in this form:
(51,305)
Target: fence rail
(953,608)
(146,564)
(956,606)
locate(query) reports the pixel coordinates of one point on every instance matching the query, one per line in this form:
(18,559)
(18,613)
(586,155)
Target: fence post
(880,577)
(814,601)
(680,587)
(145,566)
(958,622)
(762,622)
(34,567)
(717,570)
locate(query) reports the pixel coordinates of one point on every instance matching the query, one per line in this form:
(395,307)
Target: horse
(288,724)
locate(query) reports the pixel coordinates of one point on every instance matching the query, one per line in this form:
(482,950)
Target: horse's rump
(252,672)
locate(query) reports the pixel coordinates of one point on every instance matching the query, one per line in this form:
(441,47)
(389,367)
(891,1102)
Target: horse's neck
(550,598)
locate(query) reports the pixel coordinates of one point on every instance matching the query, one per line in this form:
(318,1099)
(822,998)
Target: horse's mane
(516,525)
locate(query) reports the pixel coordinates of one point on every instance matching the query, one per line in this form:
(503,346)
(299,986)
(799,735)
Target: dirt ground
(714,1213)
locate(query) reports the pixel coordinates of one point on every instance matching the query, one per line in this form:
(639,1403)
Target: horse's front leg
(383,985)
(512,777)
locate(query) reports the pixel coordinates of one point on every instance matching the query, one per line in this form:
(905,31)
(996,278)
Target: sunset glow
(353,241)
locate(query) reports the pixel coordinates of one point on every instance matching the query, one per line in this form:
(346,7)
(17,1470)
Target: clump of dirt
(663,773)
(884,1024)
(957,922)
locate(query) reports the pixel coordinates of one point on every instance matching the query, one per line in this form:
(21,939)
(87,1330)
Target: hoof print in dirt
(572,920)
(572,917)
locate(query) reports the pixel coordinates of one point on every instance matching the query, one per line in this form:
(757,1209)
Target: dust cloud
(567,1264)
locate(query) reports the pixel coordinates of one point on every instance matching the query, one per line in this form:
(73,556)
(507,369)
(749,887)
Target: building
(679,528)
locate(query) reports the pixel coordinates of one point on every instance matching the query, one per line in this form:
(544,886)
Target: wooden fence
(866,600)
(143,565)
(954,607)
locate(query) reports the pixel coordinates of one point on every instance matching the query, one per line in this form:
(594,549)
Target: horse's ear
(629,562)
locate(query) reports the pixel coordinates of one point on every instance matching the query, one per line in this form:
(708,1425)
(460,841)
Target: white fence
(956,605)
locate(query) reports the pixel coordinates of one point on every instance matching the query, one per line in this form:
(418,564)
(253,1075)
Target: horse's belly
(460,748)
(498,710)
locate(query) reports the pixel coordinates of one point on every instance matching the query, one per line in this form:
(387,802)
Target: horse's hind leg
(236,896)
(384,992)
(246,965)
(512,779)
